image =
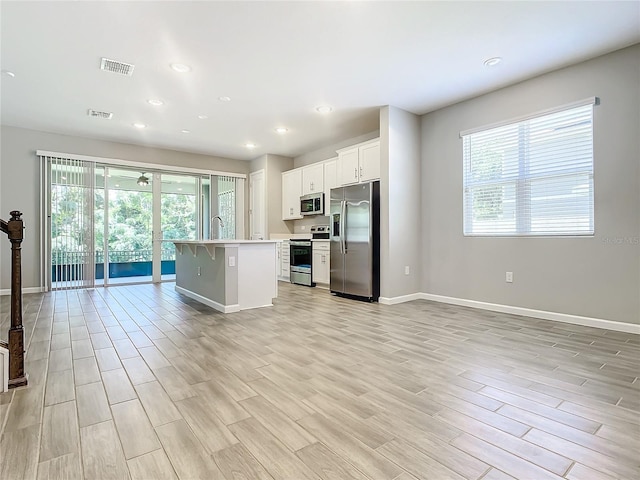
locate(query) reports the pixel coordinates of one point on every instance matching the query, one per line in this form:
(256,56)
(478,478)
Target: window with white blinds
(531,177)
(227,206)
(69,197)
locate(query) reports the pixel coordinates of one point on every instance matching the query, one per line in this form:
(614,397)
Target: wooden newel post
(15,232)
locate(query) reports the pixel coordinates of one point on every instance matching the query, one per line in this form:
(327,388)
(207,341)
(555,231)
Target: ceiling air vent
(99,114)
(117,67)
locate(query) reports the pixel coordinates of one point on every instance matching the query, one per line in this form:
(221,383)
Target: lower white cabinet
(279,259)
(285,260)
(320,266)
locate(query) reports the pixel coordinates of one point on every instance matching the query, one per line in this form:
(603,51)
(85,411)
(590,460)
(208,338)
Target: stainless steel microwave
(312,204)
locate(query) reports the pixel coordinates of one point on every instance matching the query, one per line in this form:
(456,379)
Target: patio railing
(121,263)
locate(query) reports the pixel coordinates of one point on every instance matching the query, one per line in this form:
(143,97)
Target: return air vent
(117,67)
(99,114)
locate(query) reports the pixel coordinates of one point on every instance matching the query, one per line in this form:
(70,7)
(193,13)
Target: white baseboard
(4,369)
(526,312)
(7,291)
(401,299)
(215,305)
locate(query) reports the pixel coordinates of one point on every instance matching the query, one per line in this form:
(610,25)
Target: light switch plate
(232,261)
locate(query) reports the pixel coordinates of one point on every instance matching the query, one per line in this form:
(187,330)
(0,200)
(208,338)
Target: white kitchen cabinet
(330,181)
(291,193)
(359,163)
(285,260)
(279,259)
(313,179)
(369,156)
(320,259)
(349,166)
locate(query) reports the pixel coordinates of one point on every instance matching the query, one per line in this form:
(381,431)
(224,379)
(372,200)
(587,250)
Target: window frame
(523,179)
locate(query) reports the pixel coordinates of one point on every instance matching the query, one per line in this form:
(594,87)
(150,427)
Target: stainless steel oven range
(301,255)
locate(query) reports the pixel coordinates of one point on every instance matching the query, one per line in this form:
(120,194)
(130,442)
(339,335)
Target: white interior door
(257,206)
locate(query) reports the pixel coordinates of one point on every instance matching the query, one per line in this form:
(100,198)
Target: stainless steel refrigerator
(355,241)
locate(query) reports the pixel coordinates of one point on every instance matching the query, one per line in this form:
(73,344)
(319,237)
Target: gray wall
(20,181)
(273,166)
(400,212)
(329,151)
(217,281)
(597,276)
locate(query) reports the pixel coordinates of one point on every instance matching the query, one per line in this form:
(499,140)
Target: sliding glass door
(179,213)
(110,224)
(128,229)
(143,219)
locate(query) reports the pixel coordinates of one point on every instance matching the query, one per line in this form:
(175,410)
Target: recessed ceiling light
(139,125)
(8,73)
(155,102)
(185,131)
(324,109)
(179,189)
(181,67)
(203,117)
(492,62)
(250,145)
(224,99)
(116,185)
(282,130)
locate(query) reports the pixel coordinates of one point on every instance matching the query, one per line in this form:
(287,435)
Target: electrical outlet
(406,270)
(509,277)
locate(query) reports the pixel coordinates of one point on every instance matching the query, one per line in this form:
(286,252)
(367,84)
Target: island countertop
(219,242)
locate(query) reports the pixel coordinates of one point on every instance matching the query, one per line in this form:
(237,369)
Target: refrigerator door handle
(343,221)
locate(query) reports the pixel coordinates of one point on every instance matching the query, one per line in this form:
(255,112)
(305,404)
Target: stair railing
(14,229)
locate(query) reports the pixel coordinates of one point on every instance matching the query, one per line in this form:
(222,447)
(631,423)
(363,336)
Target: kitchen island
(227,275)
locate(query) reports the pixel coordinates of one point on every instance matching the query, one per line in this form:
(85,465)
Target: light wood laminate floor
(139,382)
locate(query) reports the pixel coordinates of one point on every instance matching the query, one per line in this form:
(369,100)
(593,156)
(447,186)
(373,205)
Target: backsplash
(304,225)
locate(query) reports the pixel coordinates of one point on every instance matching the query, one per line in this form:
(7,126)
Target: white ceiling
(277,61)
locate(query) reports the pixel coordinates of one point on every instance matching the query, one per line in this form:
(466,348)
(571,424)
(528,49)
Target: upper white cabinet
(369,161)
(313,179)
(330,181)
(349,166)
(359,163)
(291,193)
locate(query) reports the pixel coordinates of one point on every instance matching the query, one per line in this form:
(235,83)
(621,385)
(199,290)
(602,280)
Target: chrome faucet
(213,236)
(220,219)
